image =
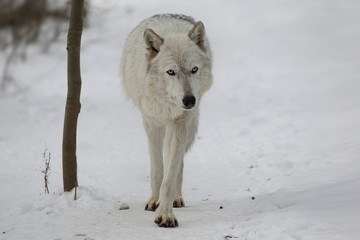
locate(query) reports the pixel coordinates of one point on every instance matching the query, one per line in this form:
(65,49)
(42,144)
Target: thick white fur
(170,127)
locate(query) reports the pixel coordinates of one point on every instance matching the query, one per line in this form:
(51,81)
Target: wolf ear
(152,43)
(197,34)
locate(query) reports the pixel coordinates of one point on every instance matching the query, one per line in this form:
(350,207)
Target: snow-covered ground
(278,150)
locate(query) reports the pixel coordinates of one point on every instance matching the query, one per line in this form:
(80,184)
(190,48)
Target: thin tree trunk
(73,106)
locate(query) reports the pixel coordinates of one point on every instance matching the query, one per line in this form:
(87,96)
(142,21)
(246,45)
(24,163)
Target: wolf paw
(166,221)
(178,202)
(152,205)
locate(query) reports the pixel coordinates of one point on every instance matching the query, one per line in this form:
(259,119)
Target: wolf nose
(189,101)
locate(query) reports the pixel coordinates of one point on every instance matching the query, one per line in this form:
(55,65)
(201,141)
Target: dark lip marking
(188,107)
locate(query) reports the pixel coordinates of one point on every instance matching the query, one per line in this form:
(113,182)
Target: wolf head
(179,65)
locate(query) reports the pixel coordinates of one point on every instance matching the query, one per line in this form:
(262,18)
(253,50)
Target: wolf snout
(189,101)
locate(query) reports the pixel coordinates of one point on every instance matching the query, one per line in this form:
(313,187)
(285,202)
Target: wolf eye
(194,70)
(170,72)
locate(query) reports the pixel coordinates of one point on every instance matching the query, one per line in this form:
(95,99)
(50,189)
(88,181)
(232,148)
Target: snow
(277,153)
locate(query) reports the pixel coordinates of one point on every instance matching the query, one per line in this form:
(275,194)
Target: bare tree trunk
(73,106)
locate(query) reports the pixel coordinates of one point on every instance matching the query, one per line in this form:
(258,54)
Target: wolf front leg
(174,150)
(155,136)
(191,129)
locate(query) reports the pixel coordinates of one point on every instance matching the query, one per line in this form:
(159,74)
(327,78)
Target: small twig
(46,171)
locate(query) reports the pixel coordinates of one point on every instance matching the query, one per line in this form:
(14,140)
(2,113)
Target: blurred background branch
(26,22)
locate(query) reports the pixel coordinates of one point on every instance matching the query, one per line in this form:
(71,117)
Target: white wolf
(166,68)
